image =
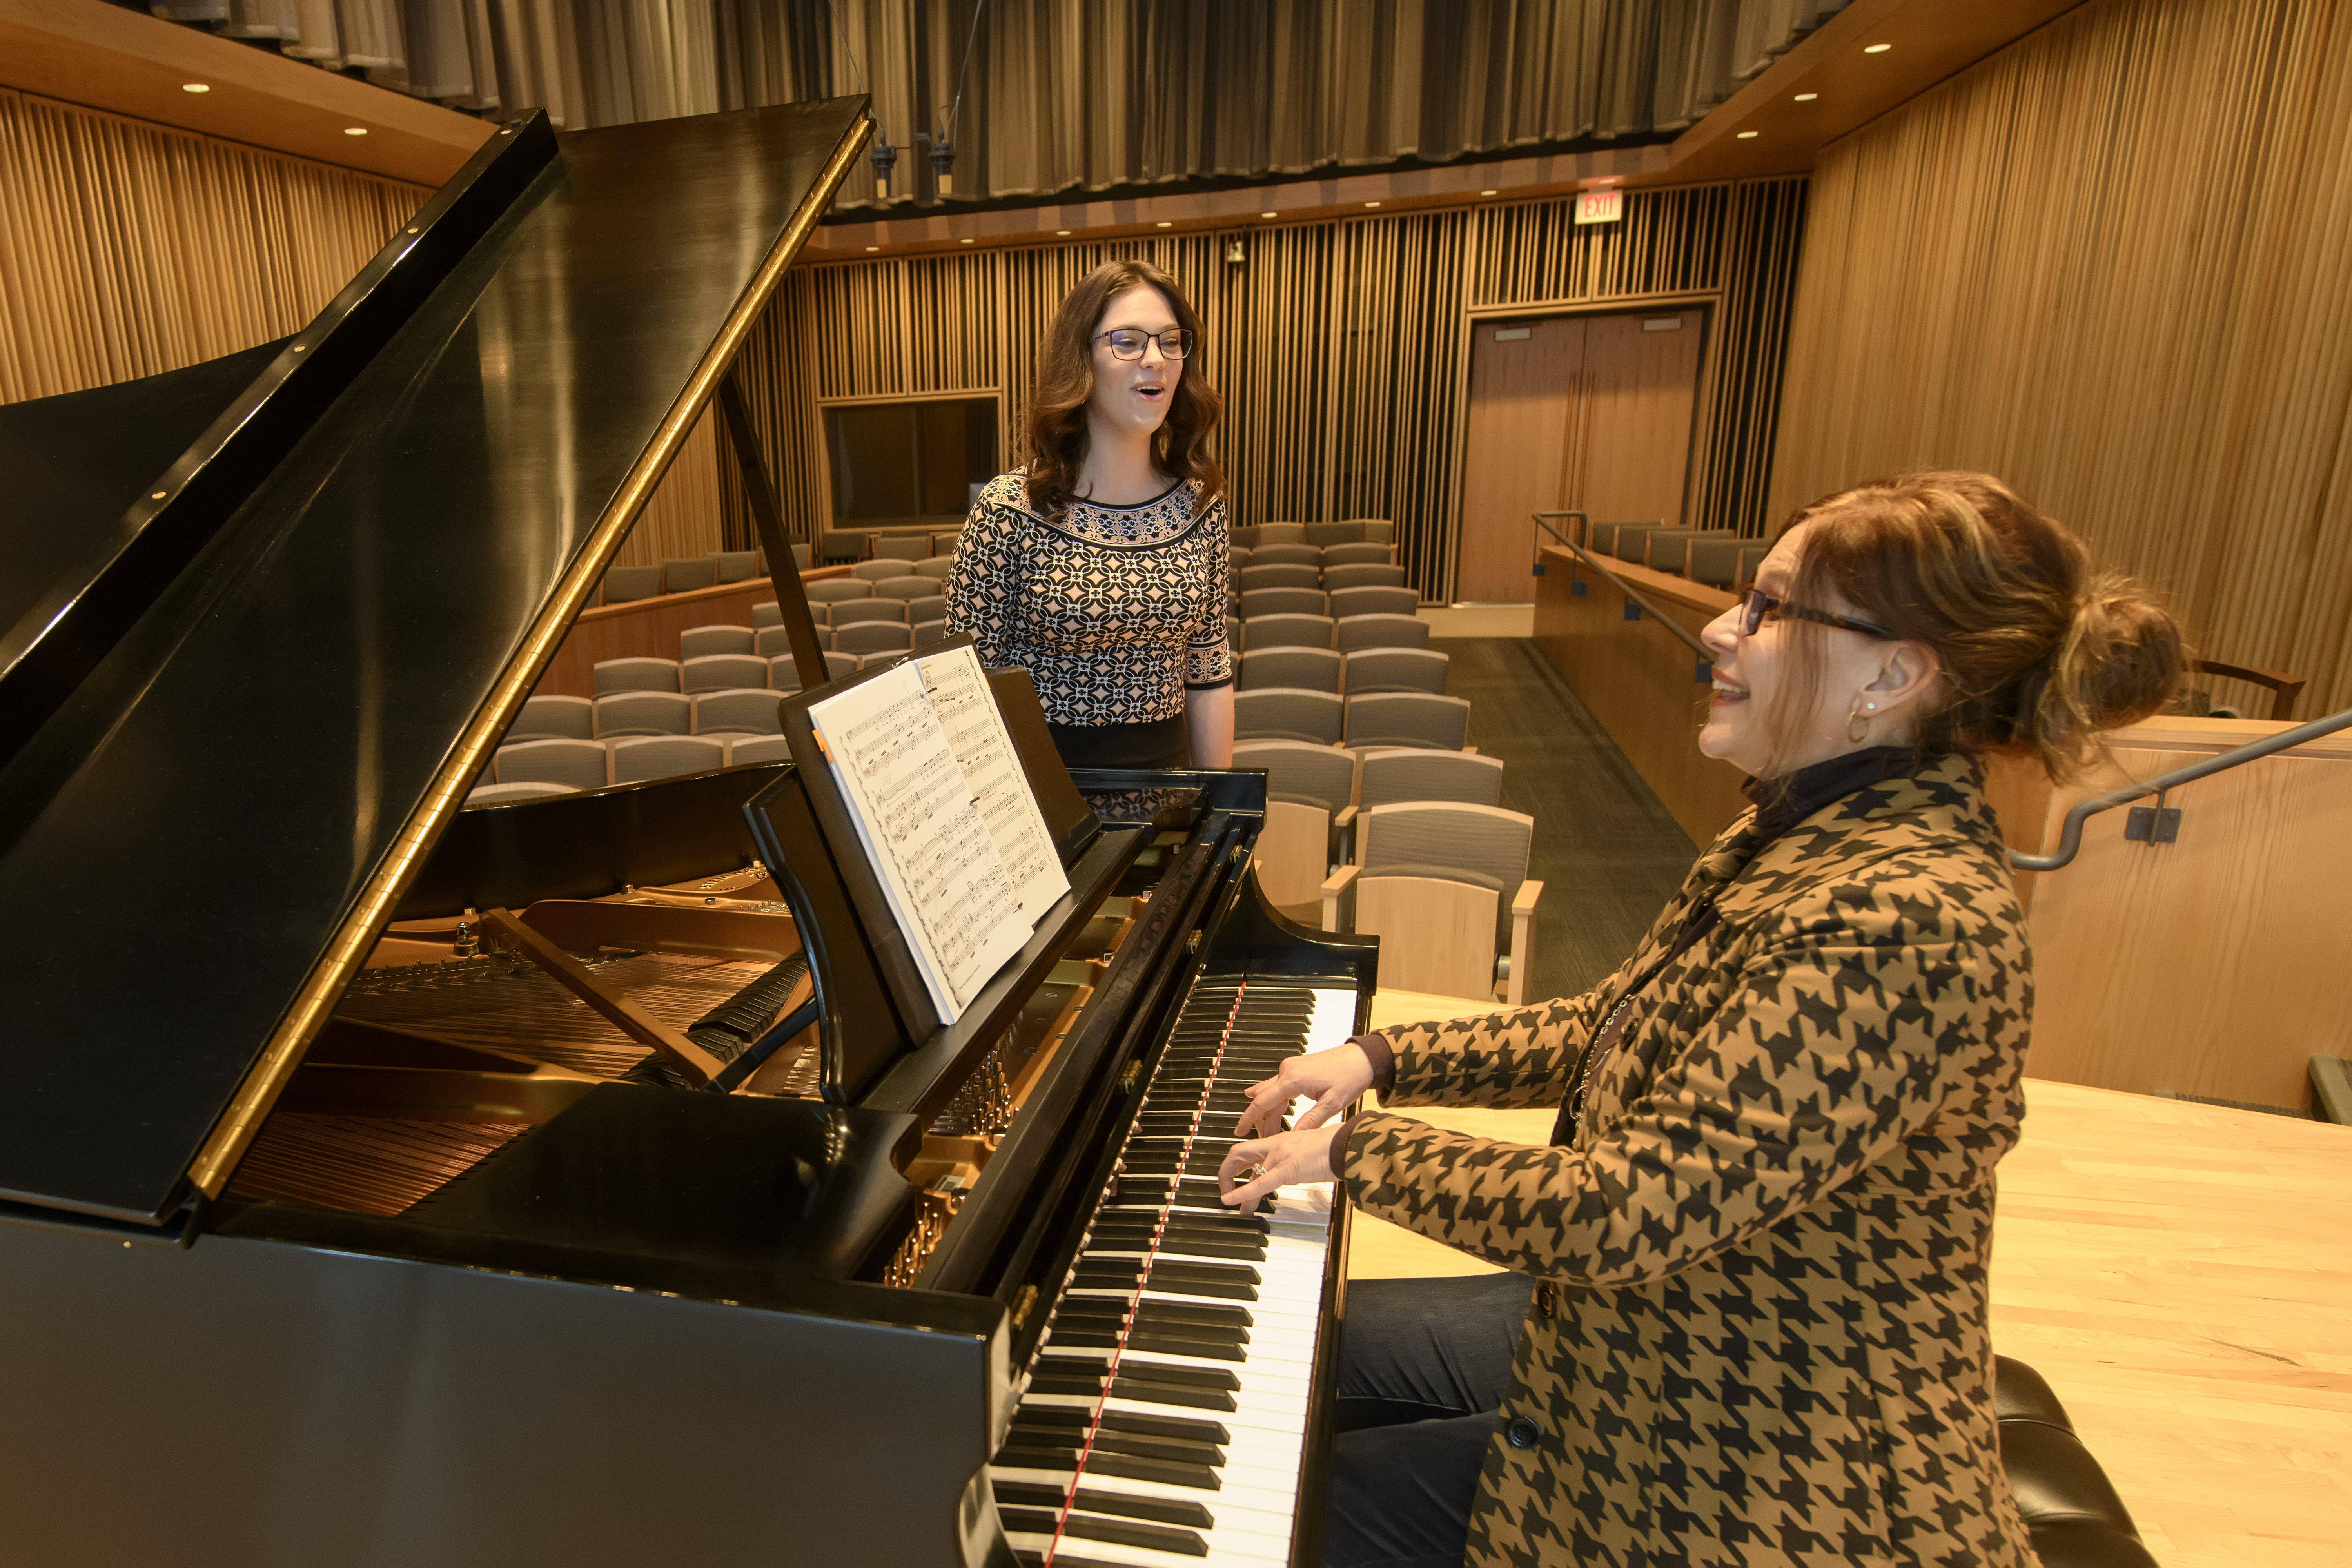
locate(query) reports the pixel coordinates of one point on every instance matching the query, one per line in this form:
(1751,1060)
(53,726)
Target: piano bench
(2069,1506)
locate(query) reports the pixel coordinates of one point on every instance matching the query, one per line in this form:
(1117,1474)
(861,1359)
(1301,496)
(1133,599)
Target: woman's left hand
(1285,1160)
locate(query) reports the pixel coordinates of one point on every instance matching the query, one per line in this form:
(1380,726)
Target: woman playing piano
(1746,1321)
(1099,567)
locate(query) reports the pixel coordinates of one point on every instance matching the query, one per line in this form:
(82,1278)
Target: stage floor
(2181,1273)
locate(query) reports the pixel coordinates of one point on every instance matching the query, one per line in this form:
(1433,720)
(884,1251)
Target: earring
(1857,728)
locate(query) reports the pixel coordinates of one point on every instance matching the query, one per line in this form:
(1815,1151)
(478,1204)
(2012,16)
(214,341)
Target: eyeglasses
(1127,343)
(1759,603)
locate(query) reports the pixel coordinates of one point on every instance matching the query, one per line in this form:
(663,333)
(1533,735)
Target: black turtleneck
(1782,803)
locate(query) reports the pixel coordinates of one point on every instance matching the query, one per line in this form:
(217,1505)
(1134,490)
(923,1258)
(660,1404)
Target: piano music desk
(2181,1274)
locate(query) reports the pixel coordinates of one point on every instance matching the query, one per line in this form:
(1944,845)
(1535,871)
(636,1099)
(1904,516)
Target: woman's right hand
(1330,1078)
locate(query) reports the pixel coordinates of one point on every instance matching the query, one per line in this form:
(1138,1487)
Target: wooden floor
(2181,1273)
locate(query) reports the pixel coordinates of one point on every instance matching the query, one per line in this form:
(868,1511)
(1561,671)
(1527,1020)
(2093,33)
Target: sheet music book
(944,813)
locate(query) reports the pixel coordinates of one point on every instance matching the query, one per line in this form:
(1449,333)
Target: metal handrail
(1622,586)
(2069,833)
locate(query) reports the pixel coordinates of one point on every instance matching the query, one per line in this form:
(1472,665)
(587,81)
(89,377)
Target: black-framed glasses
(1127,343)
(1759,603)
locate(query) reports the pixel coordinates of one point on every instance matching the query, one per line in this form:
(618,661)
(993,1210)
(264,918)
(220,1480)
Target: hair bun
(2118,661)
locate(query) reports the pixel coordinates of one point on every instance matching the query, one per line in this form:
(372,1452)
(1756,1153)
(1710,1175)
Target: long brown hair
(2040,650)
(1066,381)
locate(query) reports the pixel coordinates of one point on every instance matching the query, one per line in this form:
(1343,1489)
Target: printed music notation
(945,816)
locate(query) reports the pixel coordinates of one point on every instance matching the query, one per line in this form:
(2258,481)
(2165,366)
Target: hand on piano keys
(1329,1079)
(1254,1171)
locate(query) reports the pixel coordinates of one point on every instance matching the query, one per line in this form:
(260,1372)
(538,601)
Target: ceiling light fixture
(1165,224)
(354,130)
(873,248)
(1063,232)
(195,86)
(963,242)
(1876,48)
(1490,193)
(1372,204)
(1806,97)
(1747,136)
(1265,215)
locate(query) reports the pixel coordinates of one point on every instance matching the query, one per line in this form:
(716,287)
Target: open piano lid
(233,722)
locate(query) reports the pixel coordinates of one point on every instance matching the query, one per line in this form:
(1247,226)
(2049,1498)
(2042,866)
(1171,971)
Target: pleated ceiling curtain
(1068,96)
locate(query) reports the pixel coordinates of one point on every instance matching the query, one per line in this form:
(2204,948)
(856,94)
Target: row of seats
(1342,634)
(1256,572)
(557,765)
(838,544)
(1371,718)
(1719,557)
(1340,604)
(1323,669)
(624,583)
(736,671)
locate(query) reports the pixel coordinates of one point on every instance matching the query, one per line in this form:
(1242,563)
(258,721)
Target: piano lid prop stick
(631,1020)
(768,521)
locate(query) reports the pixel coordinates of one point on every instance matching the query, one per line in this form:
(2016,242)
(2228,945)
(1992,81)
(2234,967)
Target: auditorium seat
(784,675)
(1407,719)
(735,565)
(1364,575)
(1395,669)
(1288,714)
(902,547)
(684,576)
(646,757)
(1348,602)
(1379,531)
(643,714)
(924,634)
(872,637)
(932,608)
(944,544)
(582,765)
(833,590)
(1713,562)
(739,710)
(1353,633)
(722,672)
(770,641)
(1286,555)
(1668,549)
(766,615)
(2069,1506)
(1630,538)
(1287,631)
(1259,574)
(554,719)
(1258,602)
(1234,633)
(500,795)
(849,612)
(909,587)
(1306,669)
(1348,531)
(838,544)
(1279,533)
(744,749)
(637,675)
(877,570)
(696,641)
(1307,789)
(1446,887)
(1389,775)
(936,568)
(1361,553)
(623,583)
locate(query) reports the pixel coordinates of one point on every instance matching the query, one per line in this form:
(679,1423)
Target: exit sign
(1599,207)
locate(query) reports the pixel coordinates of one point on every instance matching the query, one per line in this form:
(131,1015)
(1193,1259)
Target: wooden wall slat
(2109,265)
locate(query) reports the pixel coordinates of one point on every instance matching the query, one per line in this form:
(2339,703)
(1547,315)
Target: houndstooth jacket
(1758,1334)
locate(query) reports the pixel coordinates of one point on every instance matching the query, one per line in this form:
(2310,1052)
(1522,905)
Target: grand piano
(383,1181)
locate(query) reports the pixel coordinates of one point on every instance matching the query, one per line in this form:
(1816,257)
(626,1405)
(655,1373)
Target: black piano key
(1200,1477)
(1083,1369)
(1165,1510)
(1195,1312)
(1213,1433)
(1084,1388)
(1168,1344)
(1128,1387)
(1093,1527)
(1105,1439)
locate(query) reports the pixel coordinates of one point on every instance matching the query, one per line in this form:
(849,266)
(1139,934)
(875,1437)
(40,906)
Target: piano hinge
(1128,1076)
(1192,943)
(1022,1305)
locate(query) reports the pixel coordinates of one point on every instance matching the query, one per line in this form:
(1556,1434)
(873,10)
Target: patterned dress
(1757,1332)
(1115,611)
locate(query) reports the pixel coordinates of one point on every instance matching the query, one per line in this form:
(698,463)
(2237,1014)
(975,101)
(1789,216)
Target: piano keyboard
(1166,1411)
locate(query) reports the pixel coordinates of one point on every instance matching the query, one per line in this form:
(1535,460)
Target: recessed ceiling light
(195,86)
(1806,97)
(1265,215)
(1063,232)
(1876,48)
(1490,193)
(1372,204)
(873,248)
(963,242)
(354,130)
(1165,224)
(1747,136)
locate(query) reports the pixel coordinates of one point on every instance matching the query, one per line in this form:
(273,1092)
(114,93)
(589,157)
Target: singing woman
(1099,566)
(1744,1316)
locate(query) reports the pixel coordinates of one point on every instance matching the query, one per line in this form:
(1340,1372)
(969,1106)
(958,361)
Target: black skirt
(1162,743)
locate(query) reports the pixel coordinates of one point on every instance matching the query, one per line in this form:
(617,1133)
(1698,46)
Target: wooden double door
(1582,413)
